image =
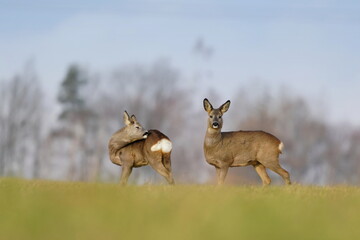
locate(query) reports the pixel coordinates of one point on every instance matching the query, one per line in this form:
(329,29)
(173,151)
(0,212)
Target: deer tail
(281,147)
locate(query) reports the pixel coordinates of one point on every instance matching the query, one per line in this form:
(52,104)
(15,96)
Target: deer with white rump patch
(132,146)
(241,148)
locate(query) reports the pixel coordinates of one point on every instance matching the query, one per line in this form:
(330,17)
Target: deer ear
(133,119)
(223,108)
(207,105)
(127,120)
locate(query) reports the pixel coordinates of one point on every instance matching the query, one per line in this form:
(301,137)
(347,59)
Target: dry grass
(64,210)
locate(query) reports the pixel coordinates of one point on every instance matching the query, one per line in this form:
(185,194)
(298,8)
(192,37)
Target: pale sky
(312,47)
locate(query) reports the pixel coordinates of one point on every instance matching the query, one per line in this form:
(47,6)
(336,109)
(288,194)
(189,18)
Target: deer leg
(282,172)
(221,174)
(166,162)
(163,171)
(261,171)
(217,174)
(125,173)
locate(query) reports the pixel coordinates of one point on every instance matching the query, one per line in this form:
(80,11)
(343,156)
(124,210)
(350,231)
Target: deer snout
(215,125)
(145,135)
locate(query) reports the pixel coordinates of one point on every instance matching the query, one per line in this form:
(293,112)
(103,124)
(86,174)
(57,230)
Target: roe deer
(131,132)
(155,150)
(242,148)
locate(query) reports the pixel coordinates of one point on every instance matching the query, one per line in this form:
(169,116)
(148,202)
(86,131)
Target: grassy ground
(62,210)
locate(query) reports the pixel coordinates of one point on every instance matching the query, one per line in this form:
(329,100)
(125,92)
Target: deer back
(240,147)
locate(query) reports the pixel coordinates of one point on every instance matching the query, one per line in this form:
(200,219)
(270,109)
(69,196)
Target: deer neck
(122,143)
(212,137)
(120,139)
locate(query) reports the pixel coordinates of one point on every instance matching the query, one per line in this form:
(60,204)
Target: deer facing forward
(129,149)
(241,148)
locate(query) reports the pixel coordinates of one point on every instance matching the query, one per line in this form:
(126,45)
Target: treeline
(73,145)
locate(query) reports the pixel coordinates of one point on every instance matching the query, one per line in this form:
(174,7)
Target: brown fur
(132,131)
(138,154)
(242,148)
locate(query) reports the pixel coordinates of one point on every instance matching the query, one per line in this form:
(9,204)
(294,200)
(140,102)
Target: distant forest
(73,146)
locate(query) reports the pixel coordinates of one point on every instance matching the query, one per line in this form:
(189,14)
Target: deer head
(215,120)
(133,129)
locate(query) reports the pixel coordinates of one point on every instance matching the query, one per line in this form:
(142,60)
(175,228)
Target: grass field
(67,210)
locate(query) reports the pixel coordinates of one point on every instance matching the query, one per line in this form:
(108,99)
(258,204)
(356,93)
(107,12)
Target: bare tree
(21,113)
(154,95)
(72,143)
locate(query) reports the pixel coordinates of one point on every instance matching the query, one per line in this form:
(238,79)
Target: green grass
(67,210)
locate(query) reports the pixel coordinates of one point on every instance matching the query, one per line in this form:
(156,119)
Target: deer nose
(215,124)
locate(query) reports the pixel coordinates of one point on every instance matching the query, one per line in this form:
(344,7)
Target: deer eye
(220,116)
(211,116)
(137,127)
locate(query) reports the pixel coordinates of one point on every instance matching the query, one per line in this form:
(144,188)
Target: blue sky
(313,47)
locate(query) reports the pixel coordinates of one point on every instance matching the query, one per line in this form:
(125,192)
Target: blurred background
(68,70)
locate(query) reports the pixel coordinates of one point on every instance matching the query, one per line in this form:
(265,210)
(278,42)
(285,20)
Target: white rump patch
(163,145)
(281,147)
